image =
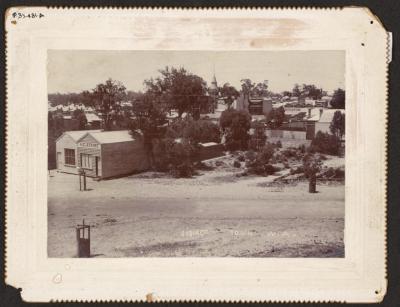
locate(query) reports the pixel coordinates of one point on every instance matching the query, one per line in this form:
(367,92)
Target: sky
(70,71)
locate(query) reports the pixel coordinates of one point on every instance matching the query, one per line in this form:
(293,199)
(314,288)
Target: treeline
(84,98)
(171,146)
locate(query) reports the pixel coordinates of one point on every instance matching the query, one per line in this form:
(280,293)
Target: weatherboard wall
(123,158)
(65,142)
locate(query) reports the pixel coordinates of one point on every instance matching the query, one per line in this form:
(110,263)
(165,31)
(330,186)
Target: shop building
(105,154)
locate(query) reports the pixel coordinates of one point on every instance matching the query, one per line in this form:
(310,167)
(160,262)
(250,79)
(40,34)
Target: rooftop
(327,115)
(208,144)
(76,135)
(108,137)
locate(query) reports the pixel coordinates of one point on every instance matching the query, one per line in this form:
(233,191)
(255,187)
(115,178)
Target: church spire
(214,84)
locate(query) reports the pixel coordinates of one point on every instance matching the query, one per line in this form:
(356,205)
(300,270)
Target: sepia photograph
(196,153)
(180,155)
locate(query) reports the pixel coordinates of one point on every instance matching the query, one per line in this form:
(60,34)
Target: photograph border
(376,226)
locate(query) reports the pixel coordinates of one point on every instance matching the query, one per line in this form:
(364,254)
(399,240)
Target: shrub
(182,170)
(195,131)
(237,164)
(325,143)
(323,157)
(269,169)
(251,155)
(178,155)
(289,153)
(286,165)
(297,170)
(260,163)
(219,163)
(241,158)
(202,166)
(311,165)
(333,173)
(279,144)
(258,139)
(302,148)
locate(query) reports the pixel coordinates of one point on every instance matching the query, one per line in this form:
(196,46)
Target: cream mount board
(63,49)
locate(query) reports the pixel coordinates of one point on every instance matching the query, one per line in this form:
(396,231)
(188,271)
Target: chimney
(309,112)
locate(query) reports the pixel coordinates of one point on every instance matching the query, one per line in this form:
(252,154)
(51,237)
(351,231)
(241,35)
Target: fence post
(312,185)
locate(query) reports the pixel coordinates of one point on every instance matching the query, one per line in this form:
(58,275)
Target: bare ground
(214,214)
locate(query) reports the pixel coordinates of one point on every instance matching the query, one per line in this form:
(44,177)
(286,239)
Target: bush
(297,170)
(302,148)
(269,169)
(182,170)
(178,155)
(289,153)
(202,166)
(323,157)
(325,143)
(236,164)
(333,173)
(195,131)
(260,163)
(279,144)
(311,165)
(241,158)
(286,165)
(258,139)
(251,155)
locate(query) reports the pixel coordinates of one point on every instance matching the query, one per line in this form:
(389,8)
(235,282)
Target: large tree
(337,125)
(108,96)
(296,90)
(179,89)
(247,86)
(311,91)
(338,99)
(250,88)
(275,118)
(80,116)
(229,94)
(261,89)
(236,125)
(150,118)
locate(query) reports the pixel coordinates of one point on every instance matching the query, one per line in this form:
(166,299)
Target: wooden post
(312,186)
(84,181)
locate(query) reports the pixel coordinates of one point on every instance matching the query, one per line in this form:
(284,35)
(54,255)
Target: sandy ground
(212,214)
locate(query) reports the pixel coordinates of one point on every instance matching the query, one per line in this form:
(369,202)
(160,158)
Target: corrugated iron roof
(327,115)
(91,117)
(108,137)
(77,134)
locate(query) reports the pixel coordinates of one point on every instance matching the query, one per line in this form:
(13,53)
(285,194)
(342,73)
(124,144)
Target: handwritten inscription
(18,15)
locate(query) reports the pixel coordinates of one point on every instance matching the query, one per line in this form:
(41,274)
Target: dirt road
(215,214)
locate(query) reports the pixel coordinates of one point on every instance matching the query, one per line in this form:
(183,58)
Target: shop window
(69,155)
(86,161)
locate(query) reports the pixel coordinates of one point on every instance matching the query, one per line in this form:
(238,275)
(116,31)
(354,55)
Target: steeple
(214,84)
